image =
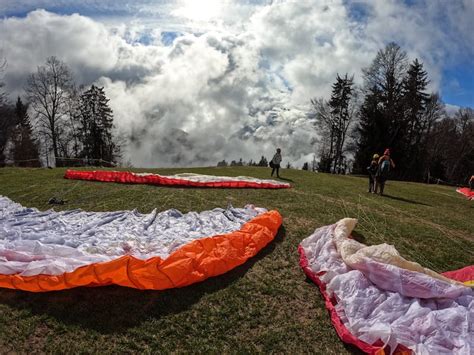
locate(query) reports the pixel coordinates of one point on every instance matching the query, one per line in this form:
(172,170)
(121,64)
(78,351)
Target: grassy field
(265,305)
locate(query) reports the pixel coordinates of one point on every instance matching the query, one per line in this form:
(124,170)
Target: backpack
(384,168)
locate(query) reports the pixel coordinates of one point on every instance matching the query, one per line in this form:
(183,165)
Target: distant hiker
(385,165)
(471,183)
(275,162)
(372,169)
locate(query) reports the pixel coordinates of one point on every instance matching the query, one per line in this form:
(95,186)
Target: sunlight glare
(199,10)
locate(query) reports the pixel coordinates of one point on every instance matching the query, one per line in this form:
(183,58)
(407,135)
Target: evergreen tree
(263,162)
(96,123)
(340,111)
(370,130)
(382,123)
(25,147)
(334,117)
(415,124)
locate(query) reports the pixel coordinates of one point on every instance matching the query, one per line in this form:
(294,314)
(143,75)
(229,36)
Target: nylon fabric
(368,298)
(466,191)
(44,251)
(185,180)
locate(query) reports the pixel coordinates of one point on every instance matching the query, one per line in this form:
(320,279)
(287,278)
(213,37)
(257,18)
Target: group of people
(379,170)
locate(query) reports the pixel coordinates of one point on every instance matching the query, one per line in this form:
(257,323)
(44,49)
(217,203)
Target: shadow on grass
(406,200)
(285,179)
(113,309)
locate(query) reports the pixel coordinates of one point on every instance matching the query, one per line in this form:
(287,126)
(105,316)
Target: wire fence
(60,162)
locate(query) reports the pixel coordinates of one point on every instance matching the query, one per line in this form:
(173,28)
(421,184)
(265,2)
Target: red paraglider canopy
(187,180)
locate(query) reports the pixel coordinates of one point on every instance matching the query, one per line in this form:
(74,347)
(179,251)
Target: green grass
(265,305)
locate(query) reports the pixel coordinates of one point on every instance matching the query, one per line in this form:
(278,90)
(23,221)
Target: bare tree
(3,95)
(48,91)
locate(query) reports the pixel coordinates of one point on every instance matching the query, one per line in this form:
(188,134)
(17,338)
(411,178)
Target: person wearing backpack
(372,169)
(385,165)
(275,163)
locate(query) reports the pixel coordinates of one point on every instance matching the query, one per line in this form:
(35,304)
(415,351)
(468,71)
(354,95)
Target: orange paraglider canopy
(34,266)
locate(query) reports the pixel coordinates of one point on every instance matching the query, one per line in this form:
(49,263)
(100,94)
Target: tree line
(393,109)
(58,120)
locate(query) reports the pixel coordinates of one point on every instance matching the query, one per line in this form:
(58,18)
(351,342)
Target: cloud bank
(199,86)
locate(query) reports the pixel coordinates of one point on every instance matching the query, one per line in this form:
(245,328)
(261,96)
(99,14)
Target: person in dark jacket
(372,169)
(275,162)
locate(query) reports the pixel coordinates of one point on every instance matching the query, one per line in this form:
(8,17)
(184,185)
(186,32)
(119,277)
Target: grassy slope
(264,305)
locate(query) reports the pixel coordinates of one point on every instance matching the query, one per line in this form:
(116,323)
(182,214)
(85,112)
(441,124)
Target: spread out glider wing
(186,180)
(46,251)
(466,191)
(385,304)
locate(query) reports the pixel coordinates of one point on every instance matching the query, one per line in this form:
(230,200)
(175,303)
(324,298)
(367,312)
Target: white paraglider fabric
(51,243)
(213,178)
(381,296)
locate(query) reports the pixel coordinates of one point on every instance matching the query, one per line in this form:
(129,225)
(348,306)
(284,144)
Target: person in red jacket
(385,165)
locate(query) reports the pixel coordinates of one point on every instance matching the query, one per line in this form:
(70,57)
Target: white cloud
(237,80)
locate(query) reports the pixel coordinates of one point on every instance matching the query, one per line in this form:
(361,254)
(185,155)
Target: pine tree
(96,123)
(414,100)
(263,162)
(370,130)
(340,111)
(382,124)
(25,147)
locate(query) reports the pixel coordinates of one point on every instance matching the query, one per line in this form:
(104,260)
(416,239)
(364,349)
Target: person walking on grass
(275,162)
(385,165)
(372,169)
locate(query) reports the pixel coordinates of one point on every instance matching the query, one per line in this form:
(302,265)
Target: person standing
(471,183)
(372,169)
(385,165)
(275,162)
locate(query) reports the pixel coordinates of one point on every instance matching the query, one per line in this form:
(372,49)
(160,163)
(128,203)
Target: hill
(264,305)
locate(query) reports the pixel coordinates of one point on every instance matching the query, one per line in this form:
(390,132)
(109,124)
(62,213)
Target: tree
(48,91)
(3,95)
(451,149)
(25,147)
(305,166)
(7,117)
(7,123)
(414,125)
(343,113)
(95,127)
(381,119)
(263,162)
(434,112)
(288,165)
(334,117)
(222,163)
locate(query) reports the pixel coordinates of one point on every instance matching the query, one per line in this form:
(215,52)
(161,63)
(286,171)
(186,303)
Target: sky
(192,82)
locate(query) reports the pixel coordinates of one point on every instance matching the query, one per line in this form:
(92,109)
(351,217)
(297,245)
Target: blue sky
(180,71)
(456,82)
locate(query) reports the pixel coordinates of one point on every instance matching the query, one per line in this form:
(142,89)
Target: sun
(199,10)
